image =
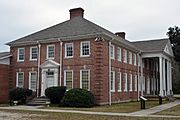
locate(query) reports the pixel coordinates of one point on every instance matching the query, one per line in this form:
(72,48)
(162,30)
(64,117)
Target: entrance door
(49,79)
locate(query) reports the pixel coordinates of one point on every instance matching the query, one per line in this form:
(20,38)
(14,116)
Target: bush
(55,94)
(78,98)
(20,94)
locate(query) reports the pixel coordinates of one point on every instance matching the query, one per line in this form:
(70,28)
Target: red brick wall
(4,83)
(98,63)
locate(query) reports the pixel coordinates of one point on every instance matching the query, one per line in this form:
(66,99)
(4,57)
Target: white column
(168,79)
(43,82)
(161,76)
(164,77)
(170,76)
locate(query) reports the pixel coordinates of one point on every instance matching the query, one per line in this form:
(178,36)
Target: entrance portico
(49,75)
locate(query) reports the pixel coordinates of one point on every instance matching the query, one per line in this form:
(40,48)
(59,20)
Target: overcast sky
(140,19)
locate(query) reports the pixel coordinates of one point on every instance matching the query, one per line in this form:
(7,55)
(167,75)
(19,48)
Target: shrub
(78,98)
(20,94)
(55,94)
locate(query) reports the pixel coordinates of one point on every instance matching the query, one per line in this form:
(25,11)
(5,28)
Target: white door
(49,79)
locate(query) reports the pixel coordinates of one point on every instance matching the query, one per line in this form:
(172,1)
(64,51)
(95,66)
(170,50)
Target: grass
(72,116)
(174,111)
(118,108)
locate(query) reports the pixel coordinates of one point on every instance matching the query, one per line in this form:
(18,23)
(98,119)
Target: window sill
(68,57)
(84,56)
(112,90)
(33,60)
(20,61)
(119,90)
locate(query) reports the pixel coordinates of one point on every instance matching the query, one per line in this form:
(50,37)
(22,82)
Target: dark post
(143,102)
(160,100)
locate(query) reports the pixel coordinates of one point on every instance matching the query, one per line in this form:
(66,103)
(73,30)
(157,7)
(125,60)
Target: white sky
(140,19)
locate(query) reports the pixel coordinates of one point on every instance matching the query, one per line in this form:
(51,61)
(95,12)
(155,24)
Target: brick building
(80,54)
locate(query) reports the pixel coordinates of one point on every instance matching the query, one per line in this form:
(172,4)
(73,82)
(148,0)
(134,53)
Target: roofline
(4,57)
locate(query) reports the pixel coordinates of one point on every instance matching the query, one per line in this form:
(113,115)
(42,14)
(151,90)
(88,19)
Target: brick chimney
(76,12)
(121,34)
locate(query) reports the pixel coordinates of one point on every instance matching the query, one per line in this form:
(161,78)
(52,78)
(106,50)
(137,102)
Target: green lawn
(119,108)
(175,111)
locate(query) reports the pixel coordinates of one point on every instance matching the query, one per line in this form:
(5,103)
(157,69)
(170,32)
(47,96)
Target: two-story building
(80,54)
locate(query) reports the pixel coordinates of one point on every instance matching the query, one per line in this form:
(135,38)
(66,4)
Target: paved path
(141,113)
(156,109)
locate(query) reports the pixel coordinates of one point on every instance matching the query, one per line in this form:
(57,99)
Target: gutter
(39,60)
(110,74)
(60,61)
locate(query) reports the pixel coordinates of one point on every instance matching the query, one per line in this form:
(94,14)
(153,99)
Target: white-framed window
(124,56)
(130,57)
(135,82)
(85,49)
(119,54)
(32,80)
(134,58)
(50,51)
(112,52)
(69,50)
(68,79)
(112,81)
(33,53)
(125,81)
(20,79)
(119,81)
(85,79)
(21,52)
(130,82)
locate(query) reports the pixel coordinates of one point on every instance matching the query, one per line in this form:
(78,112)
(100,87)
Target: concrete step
(39,101)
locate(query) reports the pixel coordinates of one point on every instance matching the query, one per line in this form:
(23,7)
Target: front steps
(39,101)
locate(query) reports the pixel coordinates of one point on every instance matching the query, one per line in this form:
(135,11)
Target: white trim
(120,82)
(17,77)
(125,85)
(113,52)
(130,57)
(81,51)
(113,85)
(31,53)
(30,80)
(66,50)
(88,77)
(18,55)
(135,59)
(65,77)
(47,52)
(124,55)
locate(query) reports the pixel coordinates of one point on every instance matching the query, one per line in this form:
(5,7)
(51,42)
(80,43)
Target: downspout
(138,77)
(141,77)
(110,73)
(60,60)
(39,55)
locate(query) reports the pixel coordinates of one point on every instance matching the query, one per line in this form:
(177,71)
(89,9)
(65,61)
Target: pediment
(50,64)
(168,49)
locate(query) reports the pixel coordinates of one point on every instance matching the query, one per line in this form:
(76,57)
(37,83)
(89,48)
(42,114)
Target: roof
(157,45)
(73,28)
(4,55)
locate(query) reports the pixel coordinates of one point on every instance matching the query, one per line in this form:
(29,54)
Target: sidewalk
(141,113)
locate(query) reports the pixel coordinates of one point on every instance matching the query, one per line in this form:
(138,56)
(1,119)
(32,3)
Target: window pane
(34,53)
(119,80)
(85,79)
(50,51)
(69,50)
(112,52)
(85,48)
(112,80)
(68,79)
(33,81)
(20,79)
(21,53)
(119,54)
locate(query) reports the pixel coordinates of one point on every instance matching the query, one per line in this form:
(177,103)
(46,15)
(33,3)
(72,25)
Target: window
(143,83)
(85,49)
(112,52)
(135,82)
(119,81)
(134,58)
(139,60)
(20,79)
(125,81)
(130,82)
(112,81)
(85,79)
(124,56)
(50,51)
(32,80)
(33,53)
(130,57)
(119,54)
(68,50)
(68,79)
(20,54)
